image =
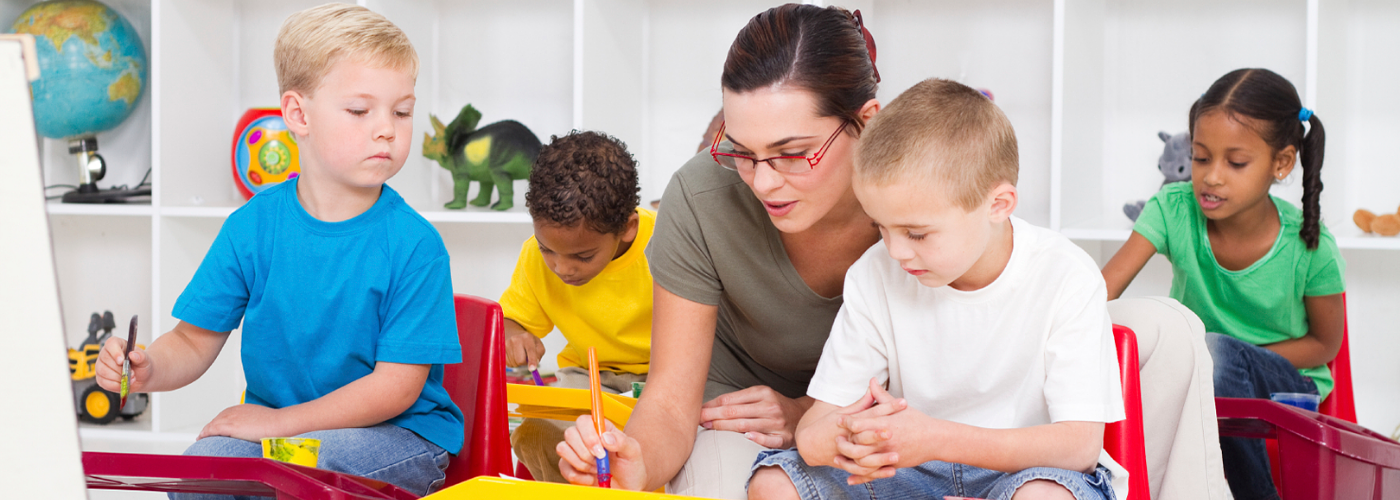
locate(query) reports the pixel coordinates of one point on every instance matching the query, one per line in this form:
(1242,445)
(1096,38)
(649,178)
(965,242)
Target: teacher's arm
(661,431)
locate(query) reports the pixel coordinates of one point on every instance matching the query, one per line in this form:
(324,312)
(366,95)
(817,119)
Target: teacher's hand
(582,446)
(759,412)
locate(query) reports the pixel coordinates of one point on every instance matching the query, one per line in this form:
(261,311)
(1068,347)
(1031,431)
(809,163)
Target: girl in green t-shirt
(1274,300)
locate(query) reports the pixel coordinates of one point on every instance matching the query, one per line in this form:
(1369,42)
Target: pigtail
(1313,147)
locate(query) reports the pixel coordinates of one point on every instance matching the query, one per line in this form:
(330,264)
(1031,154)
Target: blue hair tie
(1304,114)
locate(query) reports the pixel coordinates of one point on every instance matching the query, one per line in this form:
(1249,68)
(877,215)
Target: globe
(92,67)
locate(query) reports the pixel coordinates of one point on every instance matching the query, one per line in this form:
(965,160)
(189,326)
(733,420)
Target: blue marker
(604,472)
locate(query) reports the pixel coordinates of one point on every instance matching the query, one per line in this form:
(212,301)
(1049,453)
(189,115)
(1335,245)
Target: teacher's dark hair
(823,50)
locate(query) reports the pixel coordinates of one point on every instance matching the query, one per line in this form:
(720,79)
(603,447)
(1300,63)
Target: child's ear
(294,113)
(1284,161)
(1003,202)
(868,111)
(633,226)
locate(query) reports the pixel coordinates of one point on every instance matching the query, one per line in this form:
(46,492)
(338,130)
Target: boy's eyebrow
(367,95)
(579,254)
(901,226)
(775,144)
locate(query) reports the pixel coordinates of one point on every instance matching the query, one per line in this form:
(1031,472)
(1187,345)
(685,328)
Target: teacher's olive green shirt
(715,245)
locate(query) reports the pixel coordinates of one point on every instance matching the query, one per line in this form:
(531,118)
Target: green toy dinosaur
(494,155)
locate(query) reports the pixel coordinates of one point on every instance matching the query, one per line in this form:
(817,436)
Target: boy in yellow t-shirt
(583,271)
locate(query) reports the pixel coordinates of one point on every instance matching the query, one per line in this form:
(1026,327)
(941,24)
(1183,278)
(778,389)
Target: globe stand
(92,168)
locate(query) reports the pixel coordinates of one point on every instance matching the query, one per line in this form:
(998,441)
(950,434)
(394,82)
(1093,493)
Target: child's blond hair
(313,40)
(944,132)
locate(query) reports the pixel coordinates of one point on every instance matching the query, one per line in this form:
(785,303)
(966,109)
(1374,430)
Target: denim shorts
(931,480)
(384,452)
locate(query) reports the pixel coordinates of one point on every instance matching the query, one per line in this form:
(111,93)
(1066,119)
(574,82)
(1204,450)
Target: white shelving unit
(1087,84)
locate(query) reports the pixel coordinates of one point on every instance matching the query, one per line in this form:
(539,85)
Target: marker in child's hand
(536,372)
(126,365)
(595,390)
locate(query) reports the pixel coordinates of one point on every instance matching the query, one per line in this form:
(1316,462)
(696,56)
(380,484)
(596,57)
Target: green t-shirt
(1261,304)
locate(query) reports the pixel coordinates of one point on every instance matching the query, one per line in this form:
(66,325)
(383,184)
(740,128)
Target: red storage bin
(1320,457)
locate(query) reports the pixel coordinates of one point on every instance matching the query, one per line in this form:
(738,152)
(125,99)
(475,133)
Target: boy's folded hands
(876,441)
(870,439)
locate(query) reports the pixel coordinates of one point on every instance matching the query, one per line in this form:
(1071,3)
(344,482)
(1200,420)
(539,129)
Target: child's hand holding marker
(109,366)
(582,446)
(523,348)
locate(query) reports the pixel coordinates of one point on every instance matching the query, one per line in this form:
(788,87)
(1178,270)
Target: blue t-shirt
(322,302)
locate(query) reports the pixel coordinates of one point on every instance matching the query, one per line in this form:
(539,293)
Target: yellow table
(515,489)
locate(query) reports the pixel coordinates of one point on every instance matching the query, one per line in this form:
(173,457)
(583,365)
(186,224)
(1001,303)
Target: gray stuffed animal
(1175,165)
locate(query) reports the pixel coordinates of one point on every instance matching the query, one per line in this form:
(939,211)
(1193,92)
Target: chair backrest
(478,386)
(1124,439)
(1341,403)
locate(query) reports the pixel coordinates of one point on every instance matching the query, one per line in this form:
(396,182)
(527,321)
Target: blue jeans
(384,452)
(1245,370)
(931,480)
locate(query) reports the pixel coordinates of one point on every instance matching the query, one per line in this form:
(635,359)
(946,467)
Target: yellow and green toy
(494,156)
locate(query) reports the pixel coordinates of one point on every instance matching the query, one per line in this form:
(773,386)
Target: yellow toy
(558,403)
(94,403)
(1384,224)
(292,450)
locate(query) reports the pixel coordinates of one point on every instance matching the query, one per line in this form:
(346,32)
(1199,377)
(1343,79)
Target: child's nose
(384,128)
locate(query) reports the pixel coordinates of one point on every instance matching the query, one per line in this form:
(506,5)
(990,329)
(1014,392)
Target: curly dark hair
(584,176)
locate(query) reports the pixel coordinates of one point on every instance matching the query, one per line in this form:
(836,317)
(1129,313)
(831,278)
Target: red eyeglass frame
(812,161)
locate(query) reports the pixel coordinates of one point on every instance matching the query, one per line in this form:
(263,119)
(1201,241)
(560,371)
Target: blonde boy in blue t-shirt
(343,291)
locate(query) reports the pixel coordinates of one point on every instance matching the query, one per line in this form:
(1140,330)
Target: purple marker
(538,381)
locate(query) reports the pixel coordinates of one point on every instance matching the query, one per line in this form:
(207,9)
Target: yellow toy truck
(94,403)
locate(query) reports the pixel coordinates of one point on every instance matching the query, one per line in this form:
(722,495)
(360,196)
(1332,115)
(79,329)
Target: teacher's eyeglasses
(724,154)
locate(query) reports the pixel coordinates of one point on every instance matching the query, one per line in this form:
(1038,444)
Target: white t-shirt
(1034,347)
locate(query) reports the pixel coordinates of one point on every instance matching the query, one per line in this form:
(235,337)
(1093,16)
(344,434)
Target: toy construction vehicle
(94,403)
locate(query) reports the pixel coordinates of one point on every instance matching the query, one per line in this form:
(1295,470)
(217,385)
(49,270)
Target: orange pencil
(595,390)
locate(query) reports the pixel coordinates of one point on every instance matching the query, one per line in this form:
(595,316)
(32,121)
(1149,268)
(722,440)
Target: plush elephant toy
(495,156)
(1175,165)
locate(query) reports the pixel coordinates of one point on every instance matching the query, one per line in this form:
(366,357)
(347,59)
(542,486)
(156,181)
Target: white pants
(1178,398)
(1178,403)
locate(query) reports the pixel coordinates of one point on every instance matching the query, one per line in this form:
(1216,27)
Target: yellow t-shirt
(611,313)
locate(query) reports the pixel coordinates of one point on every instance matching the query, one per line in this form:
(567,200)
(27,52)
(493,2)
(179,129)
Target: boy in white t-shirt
(992,334)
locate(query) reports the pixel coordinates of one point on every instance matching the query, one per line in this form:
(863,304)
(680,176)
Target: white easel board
(39,450)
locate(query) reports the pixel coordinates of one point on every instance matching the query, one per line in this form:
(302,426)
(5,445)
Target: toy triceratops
(1175,165)
(494,155)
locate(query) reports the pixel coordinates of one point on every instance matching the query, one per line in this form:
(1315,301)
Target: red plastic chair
(478,386)
(1341,403)
(1123,440)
